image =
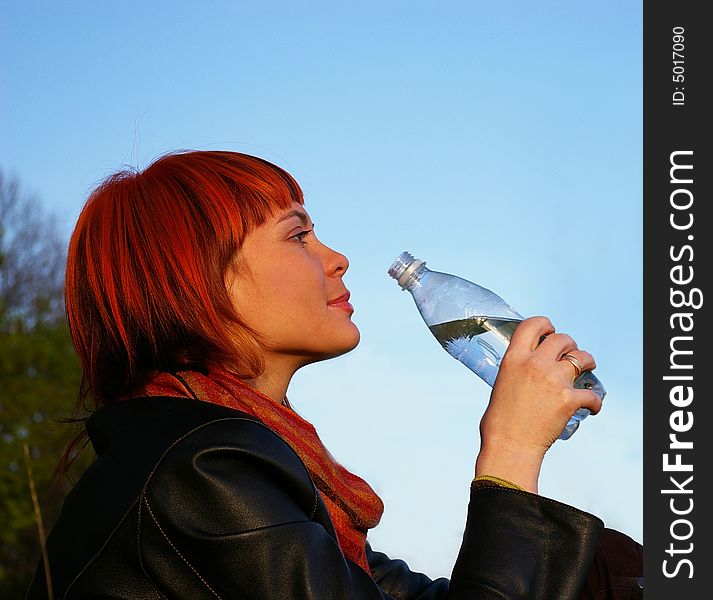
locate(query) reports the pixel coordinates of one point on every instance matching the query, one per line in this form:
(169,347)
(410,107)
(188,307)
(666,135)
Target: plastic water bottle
(473,324)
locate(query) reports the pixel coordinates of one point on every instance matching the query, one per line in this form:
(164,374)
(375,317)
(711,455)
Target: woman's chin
(346,345)
(355,337)
(355,340)
(340,347)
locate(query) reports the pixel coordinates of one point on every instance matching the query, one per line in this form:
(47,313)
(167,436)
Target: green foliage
(39,381)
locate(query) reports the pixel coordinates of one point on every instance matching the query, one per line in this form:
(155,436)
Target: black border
(668,128)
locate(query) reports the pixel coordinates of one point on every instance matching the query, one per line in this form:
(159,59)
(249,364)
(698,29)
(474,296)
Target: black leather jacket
(188,499)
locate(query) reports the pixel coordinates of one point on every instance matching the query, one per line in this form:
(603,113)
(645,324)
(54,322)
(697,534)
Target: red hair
(145,286)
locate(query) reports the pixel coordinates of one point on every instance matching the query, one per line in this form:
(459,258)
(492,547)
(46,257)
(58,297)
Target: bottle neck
(413,279)
(408,271)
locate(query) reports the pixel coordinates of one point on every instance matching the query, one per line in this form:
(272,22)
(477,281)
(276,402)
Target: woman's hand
(531,402)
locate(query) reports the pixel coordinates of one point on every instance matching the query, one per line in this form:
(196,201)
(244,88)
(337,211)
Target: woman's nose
(336,263)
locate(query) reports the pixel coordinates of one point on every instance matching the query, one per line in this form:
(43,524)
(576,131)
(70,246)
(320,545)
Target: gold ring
(575,363)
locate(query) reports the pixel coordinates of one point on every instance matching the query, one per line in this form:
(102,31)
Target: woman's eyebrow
(295,213)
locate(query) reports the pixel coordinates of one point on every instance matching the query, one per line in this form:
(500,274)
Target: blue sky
(500,141)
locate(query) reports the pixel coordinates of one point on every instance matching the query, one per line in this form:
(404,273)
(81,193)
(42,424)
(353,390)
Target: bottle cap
(403,267)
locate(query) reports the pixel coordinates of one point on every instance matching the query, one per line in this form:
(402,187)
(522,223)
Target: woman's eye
(301,236)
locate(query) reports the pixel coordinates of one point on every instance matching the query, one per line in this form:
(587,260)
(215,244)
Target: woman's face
(288,286)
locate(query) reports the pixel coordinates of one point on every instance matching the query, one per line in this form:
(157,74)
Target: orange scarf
(353,505)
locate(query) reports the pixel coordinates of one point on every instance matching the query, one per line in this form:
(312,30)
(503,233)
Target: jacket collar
(129,438)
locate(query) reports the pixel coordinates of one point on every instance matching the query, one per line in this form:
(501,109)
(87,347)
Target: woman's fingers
(577,362)
(556,345)
(527,335)
(532,400)
(537,355)
(586,399)
(538,333)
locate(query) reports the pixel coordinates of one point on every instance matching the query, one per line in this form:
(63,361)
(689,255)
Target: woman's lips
(342,302)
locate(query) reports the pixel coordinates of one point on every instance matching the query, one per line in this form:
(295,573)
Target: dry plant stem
(38,520)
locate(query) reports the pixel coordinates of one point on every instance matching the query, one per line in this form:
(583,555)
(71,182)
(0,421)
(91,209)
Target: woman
(195,290)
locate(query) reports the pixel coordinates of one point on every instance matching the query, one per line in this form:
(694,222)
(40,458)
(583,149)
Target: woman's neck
(274,380)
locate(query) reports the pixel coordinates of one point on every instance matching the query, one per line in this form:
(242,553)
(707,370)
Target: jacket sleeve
(231,512)
(394,577)
(515,545)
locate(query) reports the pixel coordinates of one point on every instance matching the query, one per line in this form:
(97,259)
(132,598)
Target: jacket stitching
(142,492)
(100,550)
(314,504)
(140,557)
(176,550)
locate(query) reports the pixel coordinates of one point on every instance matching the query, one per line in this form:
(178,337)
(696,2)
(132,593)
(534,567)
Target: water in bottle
(473,324)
